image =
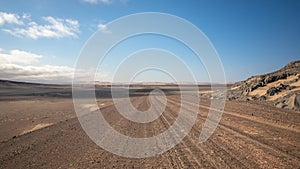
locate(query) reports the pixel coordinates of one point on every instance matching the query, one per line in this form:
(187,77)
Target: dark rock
(262,98)
(254,98)
(272,91)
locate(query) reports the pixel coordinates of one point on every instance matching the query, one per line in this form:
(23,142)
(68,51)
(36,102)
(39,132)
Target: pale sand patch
(37,127)
(263,90)
(250,132)
(205,92)
(285,92)
(236,87)
(282,94)
(93,107)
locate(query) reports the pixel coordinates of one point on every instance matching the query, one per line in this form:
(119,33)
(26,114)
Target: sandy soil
(263,90)
(43,132)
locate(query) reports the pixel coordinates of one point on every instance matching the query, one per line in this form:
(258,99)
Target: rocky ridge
(280,88)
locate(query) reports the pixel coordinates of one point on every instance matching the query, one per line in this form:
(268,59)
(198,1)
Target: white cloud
(10,18)
(15,65)
(98,1)
(55,28)
(45,73)
(18,56)
(103,28)
(51,28)
(26,16)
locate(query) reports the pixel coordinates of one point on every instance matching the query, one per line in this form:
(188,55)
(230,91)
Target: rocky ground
(280,88)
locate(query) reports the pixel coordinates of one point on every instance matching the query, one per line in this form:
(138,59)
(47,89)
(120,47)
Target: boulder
(272,91)
(293,102)
(262,98)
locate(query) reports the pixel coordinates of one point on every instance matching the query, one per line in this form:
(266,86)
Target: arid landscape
(39,129)
(145,84)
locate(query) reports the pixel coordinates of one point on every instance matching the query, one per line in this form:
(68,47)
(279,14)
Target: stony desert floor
(39,129)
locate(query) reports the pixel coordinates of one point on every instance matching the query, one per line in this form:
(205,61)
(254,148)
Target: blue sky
(41,39)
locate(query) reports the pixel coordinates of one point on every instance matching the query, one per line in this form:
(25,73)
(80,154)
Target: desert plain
(39,129)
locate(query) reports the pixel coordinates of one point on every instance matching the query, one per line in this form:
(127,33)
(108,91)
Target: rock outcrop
(280,88)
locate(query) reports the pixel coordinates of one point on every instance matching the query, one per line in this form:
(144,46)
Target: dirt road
(45,133)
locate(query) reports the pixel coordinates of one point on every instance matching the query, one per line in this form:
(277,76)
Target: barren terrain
(280,88)
(39,129)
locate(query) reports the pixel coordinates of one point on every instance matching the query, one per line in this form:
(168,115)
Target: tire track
(205,148)
(188,140)
(243,135)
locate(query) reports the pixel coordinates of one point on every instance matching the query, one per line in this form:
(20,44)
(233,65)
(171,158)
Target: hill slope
(280,88)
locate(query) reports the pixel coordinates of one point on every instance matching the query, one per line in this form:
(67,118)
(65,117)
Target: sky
(40,40)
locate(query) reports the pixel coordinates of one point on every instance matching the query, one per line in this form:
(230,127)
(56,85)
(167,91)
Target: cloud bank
(18,56)
(17,65)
